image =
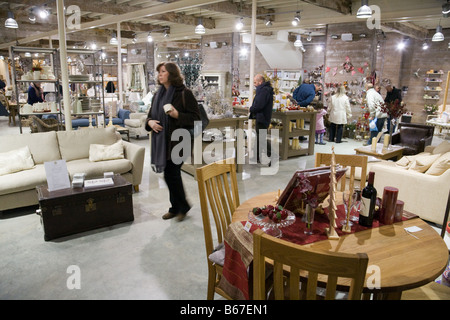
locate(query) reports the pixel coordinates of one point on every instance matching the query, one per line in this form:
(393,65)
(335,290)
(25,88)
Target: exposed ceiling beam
(340,6)
(236,10)
(405,28)
(147,12)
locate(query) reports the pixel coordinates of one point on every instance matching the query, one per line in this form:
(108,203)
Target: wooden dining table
(399,259)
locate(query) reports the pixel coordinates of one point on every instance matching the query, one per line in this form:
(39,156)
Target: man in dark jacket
(305,93)
(392,94)
(261,110)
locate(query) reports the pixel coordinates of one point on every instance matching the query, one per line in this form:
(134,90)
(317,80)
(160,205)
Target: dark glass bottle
(369,198)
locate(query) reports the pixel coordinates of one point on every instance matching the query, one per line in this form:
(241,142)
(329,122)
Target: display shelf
(94,65)
(24,66)
(302,118)
(435,88)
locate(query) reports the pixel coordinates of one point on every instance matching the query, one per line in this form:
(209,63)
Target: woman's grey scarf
(161,140)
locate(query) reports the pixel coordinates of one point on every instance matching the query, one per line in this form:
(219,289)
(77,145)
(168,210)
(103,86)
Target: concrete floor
(149,258)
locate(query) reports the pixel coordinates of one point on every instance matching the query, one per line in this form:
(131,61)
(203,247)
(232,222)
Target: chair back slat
(290,260)
(345,160)
(219,197)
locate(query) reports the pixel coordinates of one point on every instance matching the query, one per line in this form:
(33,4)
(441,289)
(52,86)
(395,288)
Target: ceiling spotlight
(149,37)
(11,22)
(166,33)
(401,45)
(134,40)
(31,16)
(200,29)
(298,43)
(240,24)
(378,46)
(113,39)
(446,9)
(438,36)
(43,12)
(319,48)
(425,46)
(27,54)
(296,19)
(309,38)
(93,46)
(364,11)
(334,36)
(268,22)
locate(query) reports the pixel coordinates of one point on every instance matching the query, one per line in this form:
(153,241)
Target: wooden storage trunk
(73,210)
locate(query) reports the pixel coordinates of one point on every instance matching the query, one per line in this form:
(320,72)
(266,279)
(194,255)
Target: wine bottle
(369,197)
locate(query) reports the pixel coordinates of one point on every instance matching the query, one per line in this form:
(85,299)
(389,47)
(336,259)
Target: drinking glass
(346,199)
(309,219)
(357,205)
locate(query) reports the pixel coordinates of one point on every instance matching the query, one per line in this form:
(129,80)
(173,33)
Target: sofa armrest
(136,154)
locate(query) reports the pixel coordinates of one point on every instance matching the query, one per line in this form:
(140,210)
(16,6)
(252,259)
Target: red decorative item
(394,109)
(388,206)
(399,211)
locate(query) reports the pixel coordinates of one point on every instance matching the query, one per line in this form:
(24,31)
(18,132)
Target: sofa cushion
(23,180)
(97,169)
(43,145)
(439,166)
(15,161)
(443,147)
(101,152)
(75,144)
(421,163)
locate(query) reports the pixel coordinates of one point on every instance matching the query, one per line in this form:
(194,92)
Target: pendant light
(11,22)
(113,40)
(438,36)
(200,29)
(364,11)
(149,37)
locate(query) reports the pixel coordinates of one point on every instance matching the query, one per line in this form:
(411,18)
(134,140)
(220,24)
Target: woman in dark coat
(162,124)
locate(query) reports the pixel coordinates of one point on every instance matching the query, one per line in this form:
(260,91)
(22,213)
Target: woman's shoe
(169,215)
(181,216)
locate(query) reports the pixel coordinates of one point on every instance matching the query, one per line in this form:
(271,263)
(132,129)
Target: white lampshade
(11,22)
(200,29)
(438,36)
(364,11)
(113,40)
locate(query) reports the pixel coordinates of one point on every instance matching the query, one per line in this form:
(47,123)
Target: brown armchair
(413,137)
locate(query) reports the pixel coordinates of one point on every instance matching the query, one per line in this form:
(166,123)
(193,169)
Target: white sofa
(18,189)
(423,181)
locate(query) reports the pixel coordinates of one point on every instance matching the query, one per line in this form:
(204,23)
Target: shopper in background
(35,93)
(320,125)
(182,115)
(339,112)
(304,95)
(261,111)
(374,103)
(392,94)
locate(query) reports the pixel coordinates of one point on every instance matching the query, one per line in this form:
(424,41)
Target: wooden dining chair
(346,160)
(300,259)
(219,198)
